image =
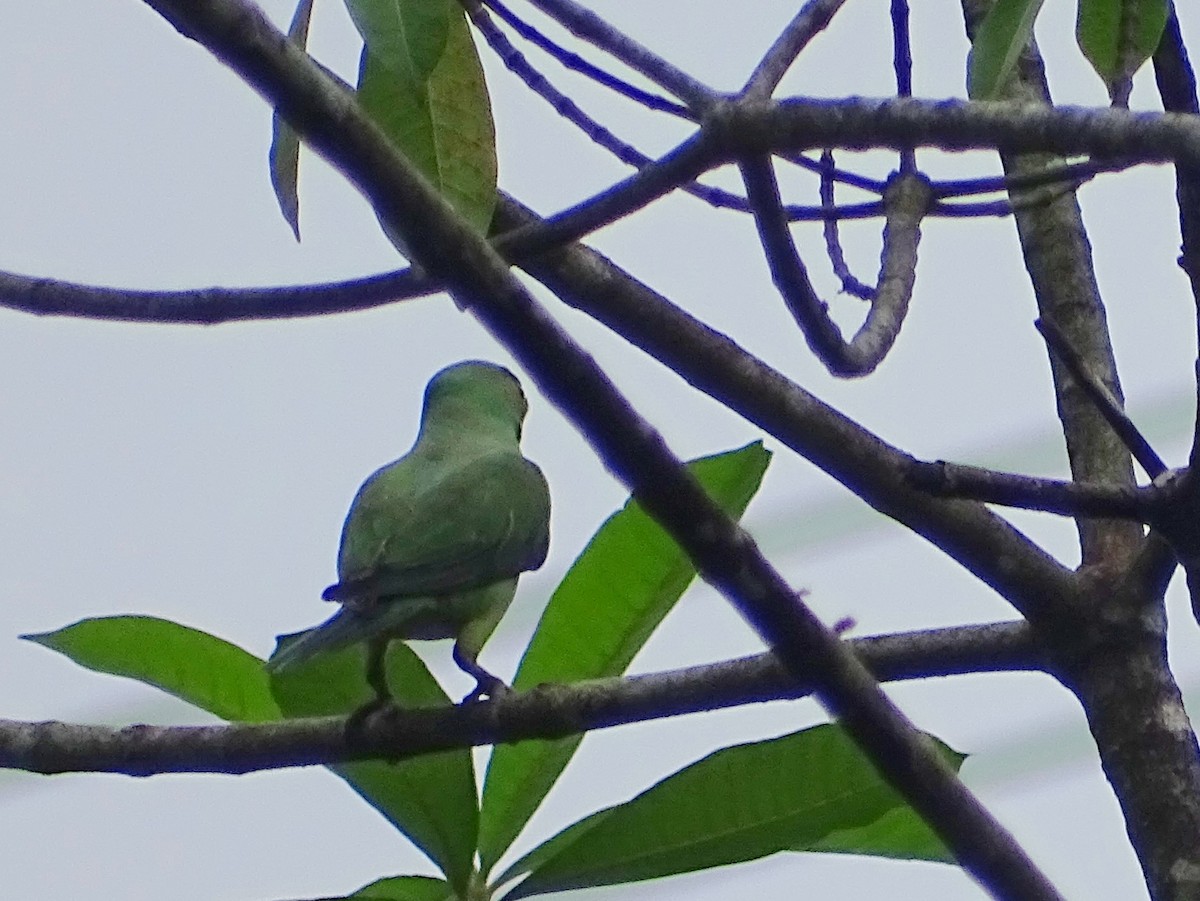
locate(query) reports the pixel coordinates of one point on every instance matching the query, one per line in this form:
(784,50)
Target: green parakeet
(434,542)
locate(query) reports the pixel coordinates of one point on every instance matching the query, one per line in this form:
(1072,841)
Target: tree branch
(572,60)
(549,711)
(585,24)
(801,123)
(905,199)
(1028,493)
(1106,403)
(810,21)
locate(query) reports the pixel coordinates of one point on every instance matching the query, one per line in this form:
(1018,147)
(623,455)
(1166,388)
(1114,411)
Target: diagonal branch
(1107,403)
(982,542)
(585,24)
(572,60)
(726,556)
(813,18)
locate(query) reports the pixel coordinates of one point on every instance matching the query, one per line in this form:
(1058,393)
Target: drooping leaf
(191,665)
(615,595)
(1118,36)
(999,40)
(407,36)
(441,121)
(283,159)
(810,790)
(432,798)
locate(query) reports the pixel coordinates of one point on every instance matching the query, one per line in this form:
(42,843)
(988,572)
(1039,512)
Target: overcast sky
(202,474)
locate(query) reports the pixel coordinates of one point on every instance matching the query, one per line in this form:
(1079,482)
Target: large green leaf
(192,665)
(404,888)
(616,593)
(1117,36)
(441,121)
(407,36)
(283,159)
(432,799)
(999,40)
(810,790)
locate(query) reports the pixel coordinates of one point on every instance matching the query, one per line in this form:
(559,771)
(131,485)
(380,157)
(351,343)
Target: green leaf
(999,40)
(615,595)
(192,665)
(1117,36)
(809,790)
(431,799)
(442,122)
(404,888)
(898,834)
(407,36)
(283,159)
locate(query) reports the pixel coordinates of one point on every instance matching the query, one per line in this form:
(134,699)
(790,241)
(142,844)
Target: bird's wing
(483,521)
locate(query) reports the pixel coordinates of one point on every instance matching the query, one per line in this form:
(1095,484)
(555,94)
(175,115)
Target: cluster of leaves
(1116,36)
(420,79)
(810,790)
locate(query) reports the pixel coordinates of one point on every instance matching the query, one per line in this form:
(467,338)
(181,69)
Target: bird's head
(475,391)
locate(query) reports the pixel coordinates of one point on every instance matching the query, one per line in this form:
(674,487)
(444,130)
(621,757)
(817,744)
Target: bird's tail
(342,629)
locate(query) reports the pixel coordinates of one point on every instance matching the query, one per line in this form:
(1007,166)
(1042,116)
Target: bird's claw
(491,688)
(356,723)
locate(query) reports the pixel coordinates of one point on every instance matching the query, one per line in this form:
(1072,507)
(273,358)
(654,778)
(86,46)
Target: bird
(434,542)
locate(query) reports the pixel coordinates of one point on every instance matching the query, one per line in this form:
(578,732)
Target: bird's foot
(356,722)
(487,686)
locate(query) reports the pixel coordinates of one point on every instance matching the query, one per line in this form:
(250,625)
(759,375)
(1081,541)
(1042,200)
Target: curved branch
(906,199)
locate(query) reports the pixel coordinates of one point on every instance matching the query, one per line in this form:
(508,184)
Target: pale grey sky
(201,474)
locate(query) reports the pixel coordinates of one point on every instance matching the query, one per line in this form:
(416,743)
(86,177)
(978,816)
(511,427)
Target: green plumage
(434,542)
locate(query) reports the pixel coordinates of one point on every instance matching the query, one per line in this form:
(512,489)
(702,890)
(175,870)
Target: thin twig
(1029,493)
(1058,173)
(841,176)
(577,63)
(679,167)
(585,24)
(516,63)
(1104,400)
(810,21)
(833,242)
(1177,87)
(902,65)
(1027,201)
